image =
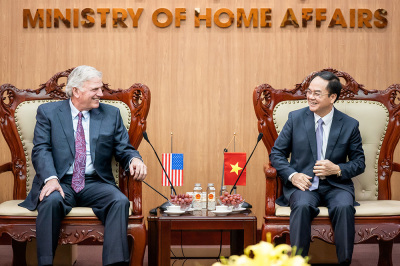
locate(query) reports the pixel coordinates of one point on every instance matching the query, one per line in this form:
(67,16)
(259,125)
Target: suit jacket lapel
(310,128)
(336,127)
(95,122)
(65,117)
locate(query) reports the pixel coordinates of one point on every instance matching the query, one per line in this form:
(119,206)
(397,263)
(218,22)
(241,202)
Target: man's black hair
(334,86)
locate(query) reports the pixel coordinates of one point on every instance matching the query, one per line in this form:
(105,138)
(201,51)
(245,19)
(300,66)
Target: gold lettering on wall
(198,17)
(319,16)
(223,17)
(352,18)
(338,19)
(66,20)
(119,19)
(382,21)
(253,16)
(39,17)
(48,17)
(265,17)
(90,20)
(362,20)
(162,11)
(76,17)
(305,17)
(218,22)
(179,16)
(289,19)
(103,16)
(135,16)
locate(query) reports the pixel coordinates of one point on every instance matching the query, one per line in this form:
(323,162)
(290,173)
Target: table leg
(250,237)
(153,252)
(237,240)
(164,243)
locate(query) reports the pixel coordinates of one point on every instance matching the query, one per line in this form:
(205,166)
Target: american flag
(173,164)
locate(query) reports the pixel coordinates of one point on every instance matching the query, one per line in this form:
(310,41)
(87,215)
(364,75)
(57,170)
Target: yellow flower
(264,253)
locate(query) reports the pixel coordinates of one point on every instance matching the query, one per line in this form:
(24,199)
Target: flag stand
(226,150)
(171,153)
(234,150)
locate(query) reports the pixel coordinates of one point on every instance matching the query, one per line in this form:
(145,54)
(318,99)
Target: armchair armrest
(271,189)
(132,190)
(396,167)
(6,167)
(135,195)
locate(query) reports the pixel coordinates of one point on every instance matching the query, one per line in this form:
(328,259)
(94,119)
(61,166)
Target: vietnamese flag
(233,166)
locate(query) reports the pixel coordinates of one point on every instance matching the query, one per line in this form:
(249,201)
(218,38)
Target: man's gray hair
(79,75)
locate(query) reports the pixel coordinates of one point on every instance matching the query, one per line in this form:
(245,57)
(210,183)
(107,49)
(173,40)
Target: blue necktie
(319,133)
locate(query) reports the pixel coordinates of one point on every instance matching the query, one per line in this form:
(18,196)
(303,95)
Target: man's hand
(138,169)
(325,168)
(49,187)
(301,181)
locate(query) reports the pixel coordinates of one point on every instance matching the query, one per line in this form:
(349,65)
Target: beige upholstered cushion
(25,119)
(366,208)
(11,208)
(373,118)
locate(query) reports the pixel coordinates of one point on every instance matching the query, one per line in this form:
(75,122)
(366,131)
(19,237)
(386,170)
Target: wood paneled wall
(201,79)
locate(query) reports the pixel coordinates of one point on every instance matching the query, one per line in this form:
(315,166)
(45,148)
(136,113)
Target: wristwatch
(339,174)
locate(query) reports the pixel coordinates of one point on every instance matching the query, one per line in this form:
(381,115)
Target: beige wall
(201,79)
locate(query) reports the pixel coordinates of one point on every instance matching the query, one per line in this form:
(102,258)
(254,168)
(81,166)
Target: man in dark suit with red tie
(74,142)
(325,152)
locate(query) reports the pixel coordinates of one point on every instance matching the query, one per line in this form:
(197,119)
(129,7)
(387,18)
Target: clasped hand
(325,168)
(321,168)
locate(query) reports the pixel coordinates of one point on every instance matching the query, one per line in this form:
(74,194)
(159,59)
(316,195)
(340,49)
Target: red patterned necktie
(78,176)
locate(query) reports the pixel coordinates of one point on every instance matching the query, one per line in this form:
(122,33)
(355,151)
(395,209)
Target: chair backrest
(18,117)
(25,120)
(375,111)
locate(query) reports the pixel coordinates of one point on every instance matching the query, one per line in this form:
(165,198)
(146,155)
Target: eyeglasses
(316,94)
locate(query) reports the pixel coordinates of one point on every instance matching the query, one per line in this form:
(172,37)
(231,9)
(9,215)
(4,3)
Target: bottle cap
(210,184)
(197,185)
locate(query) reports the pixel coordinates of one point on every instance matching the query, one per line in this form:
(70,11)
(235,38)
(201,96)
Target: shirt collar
(75,112)
(327,119)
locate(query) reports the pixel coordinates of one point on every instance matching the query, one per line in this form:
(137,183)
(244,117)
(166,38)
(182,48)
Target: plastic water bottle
(210,197)
(197,191)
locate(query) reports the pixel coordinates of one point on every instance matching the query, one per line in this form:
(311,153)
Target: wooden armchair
(17,121)
(378,217)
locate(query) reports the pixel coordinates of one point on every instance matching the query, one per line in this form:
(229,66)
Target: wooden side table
(243,227)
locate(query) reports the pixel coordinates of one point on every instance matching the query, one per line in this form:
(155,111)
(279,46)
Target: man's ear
(75,92)
(333,97)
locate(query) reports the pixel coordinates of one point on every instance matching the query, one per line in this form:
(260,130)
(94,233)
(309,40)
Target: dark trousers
(109,204)
(304,208)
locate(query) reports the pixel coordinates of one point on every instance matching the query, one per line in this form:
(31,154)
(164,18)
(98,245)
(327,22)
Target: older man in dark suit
(326,152)
(74,141)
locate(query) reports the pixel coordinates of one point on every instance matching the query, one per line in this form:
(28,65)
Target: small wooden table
(242,226)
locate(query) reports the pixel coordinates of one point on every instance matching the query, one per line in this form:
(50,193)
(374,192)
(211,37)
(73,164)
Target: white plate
(238,209)
(222,213)
(174,213)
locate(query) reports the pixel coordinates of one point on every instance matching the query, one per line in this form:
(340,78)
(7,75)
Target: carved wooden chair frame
(368,229)
(73,229)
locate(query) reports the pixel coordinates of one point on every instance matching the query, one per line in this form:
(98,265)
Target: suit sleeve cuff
(290,177)
(49,178)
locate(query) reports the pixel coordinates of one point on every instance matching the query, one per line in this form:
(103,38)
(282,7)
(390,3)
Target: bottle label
(211,196)
(198,196)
